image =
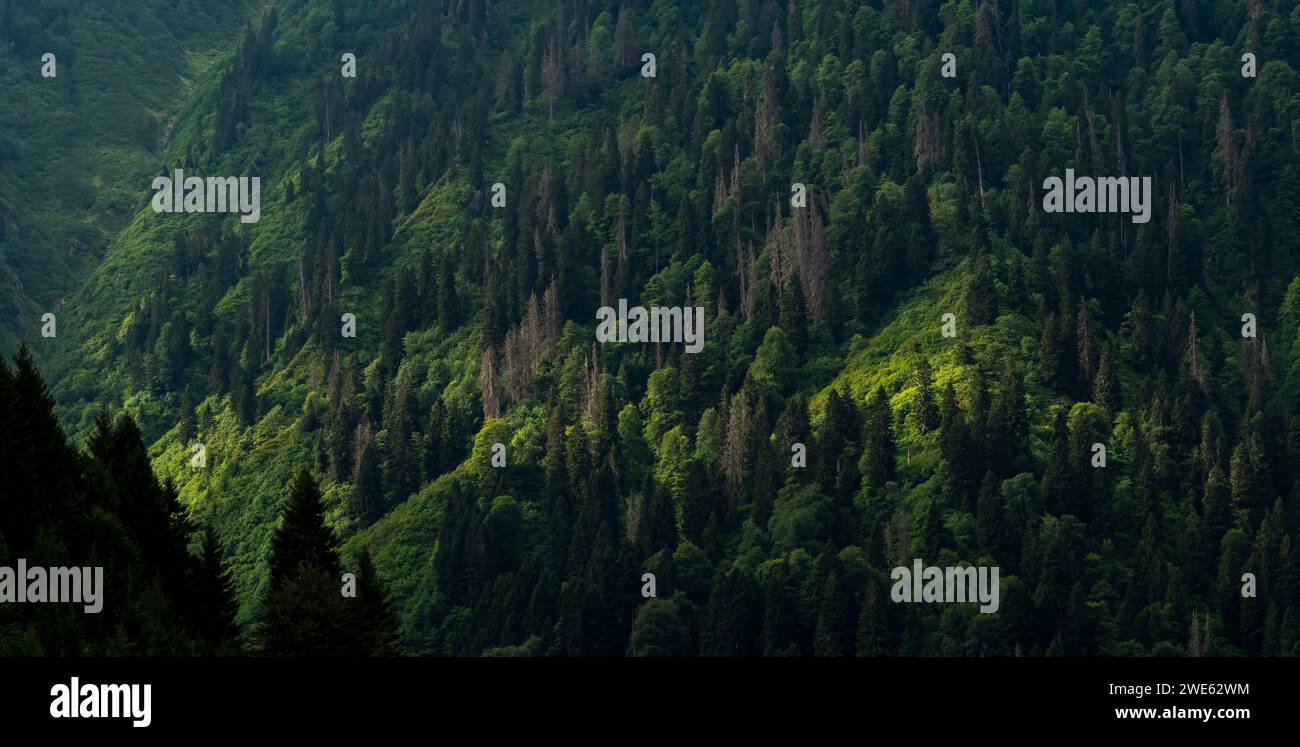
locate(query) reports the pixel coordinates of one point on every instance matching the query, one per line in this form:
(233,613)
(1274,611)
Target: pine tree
(1140,334)
(794,317)
(302,540)
(958,449)
(1017,293)
(187,417)
(927,414)
(933,535)
(835,619)
(41,486)
(1008,425)
(307,616)
(878,459)
(216,595)
(243,394)
(841,429)
(1250,482)
(401,463)
(1057,478)
(1086,352)
(378,625)
(1105,387)
(367,487)
(981,295)
(988,515)
(305,613)
(1216,510)
(729,626)
(873,620)
(1049,353)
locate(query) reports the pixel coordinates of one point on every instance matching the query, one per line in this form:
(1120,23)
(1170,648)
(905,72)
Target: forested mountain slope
(475,324)
(75,147)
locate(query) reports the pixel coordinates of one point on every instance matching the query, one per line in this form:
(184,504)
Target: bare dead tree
(928,146)
(781,253)
(816,140)
(1195,367)
(487,383)
(765,121)
(1229,163)
(813,260)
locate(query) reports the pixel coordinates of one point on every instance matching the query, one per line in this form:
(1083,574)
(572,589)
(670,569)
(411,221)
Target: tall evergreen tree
(379,624)
(216,595)
(927,413)
(981,295)
(302,540)
(878,459)
(1105,387)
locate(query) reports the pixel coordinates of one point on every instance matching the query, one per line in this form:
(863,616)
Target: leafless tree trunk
(1229,164)
(813,260)
(1194,354)
(928,145)
(487,383)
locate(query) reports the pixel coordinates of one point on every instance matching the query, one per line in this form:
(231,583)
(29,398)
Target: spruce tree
(1105,388)
(1049,353)
(368,485)
(305,612)
(841,429)
(42,470)
(988,515)
(958,449)
(302,540)
(794,316)
(878,459)
(835,628)
(216,595)
(927,414)
(873,620)
(981,295)
(1059,472)
(1008,425)
(377,624)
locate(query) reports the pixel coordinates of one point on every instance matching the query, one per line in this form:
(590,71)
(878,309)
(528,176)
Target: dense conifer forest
(827,180)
